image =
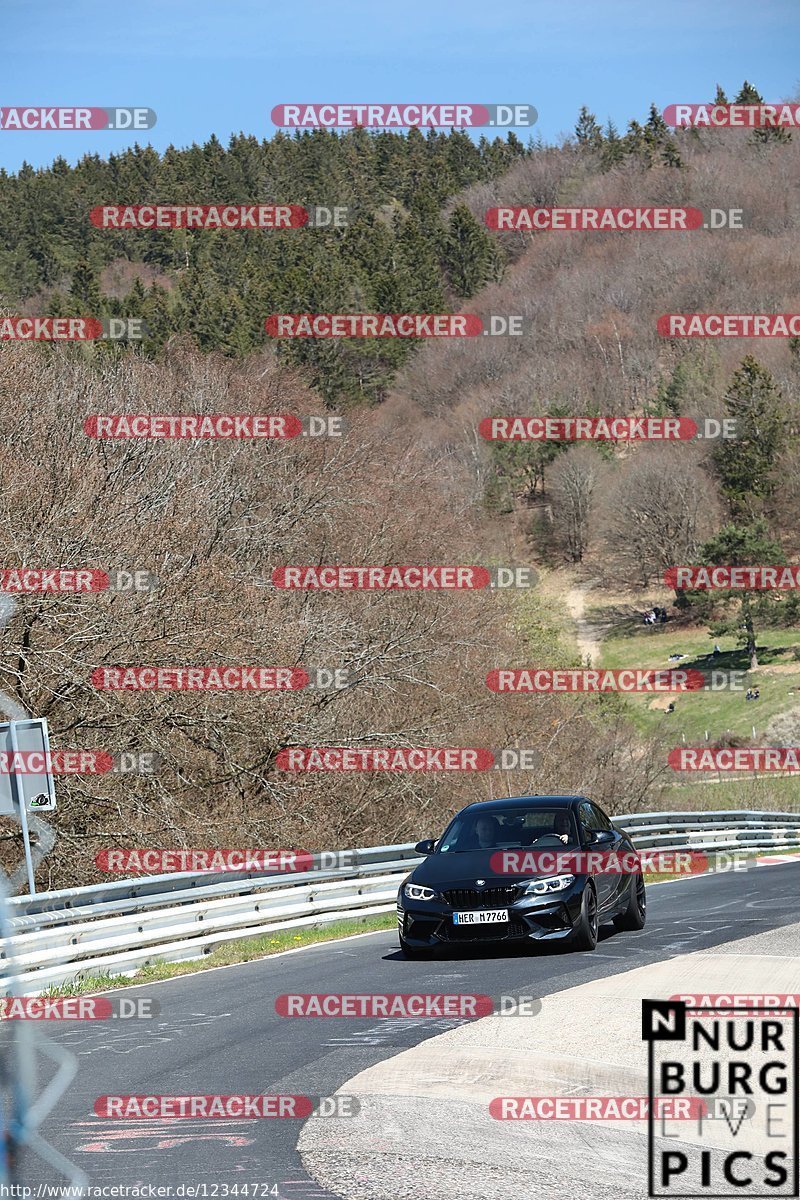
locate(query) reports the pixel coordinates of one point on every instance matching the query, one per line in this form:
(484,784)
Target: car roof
(526,802)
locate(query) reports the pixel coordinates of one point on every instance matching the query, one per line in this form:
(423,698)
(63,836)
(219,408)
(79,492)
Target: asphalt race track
(218,1033)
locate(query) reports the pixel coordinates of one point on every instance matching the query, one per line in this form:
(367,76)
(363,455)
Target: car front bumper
(428,923)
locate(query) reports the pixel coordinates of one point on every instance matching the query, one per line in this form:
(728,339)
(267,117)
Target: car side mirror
(426,846)
(600,837)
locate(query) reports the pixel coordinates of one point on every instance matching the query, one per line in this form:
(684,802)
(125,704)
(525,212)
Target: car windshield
(509,829)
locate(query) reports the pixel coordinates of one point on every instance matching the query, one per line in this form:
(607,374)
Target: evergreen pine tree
(470,257)
(84,292)
(746,462)
(588,133)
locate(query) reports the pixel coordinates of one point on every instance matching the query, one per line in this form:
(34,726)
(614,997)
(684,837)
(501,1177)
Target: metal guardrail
(117,927)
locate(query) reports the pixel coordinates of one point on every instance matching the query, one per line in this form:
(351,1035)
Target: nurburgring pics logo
(746,1068)
(403,116)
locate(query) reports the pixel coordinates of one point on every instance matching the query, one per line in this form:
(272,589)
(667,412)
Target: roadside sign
(36,789)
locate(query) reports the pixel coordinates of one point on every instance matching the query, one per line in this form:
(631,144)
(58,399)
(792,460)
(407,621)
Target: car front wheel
(585,935)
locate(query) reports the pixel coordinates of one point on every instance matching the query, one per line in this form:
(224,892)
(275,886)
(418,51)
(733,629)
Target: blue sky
(220,67)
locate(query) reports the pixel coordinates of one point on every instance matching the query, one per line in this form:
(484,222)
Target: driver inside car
(486,833)
(561,826)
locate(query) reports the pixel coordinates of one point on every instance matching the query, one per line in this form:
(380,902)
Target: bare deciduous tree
(573,482)
(657,511)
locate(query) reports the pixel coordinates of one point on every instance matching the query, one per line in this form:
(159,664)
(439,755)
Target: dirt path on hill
(587,633)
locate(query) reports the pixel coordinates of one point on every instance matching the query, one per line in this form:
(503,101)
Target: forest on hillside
(412,481)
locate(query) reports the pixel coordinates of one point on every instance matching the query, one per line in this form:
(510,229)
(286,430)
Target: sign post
(26,791)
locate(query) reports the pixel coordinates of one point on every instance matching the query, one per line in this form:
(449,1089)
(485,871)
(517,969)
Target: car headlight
(415,891)
(556,883)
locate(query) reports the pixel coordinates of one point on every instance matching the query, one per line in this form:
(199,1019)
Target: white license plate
(488,916)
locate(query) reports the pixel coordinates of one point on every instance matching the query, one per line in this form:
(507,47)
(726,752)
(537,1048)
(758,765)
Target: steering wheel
(550,839)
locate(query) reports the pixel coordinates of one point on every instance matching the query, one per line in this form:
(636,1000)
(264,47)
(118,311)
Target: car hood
(462,870)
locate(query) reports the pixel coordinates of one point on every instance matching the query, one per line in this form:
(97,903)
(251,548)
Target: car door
(590,822)
(617,883)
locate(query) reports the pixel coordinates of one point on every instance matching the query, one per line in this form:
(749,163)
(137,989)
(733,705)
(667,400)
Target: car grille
(482,933)
(499,897)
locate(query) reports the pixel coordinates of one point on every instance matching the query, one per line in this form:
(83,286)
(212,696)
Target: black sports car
(487,878)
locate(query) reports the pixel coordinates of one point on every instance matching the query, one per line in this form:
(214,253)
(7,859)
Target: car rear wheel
(585,935)
(415,951)
(634,915)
